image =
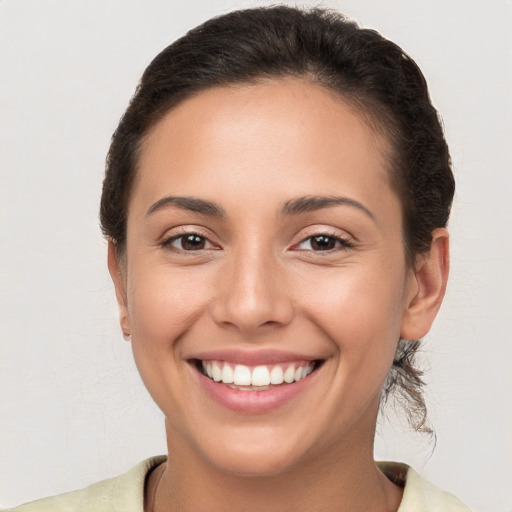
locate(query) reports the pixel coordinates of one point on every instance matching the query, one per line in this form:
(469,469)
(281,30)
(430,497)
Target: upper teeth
(263,375)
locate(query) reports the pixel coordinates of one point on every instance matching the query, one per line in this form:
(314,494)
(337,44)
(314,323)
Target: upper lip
(251,357)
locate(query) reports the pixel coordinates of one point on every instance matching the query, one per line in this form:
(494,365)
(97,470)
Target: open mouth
(256,378)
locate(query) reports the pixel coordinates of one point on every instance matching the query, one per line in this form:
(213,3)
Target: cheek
(163,304)
(361,313)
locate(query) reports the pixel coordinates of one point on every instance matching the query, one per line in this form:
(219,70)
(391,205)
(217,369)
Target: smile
(245,384)
(261,377)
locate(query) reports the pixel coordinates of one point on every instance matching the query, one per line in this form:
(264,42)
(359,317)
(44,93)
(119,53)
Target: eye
(188,242)
(323,242)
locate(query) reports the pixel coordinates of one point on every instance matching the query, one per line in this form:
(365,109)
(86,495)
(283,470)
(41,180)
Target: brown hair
(364,68)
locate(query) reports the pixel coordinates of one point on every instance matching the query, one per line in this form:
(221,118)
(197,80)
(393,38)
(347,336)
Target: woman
(275,205)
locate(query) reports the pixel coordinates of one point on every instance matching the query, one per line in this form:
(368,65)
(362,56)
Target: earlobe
(119,280)
(428,285)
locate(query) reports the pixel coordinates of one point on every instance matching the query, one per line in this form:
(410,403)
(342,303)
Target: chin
(254,452)
(255,463)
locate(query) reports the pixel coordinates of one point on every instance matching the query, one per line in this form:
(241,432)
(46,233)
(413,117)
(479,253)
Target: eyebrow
(192,204)
(292,207)
(312,203)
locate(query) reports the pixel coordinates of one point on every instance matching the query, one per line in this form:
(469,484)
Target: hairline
(374,115)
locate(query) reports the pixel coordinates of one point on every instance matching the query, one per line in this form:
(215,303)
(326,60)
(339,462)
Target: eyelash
(167,243)
(341,242)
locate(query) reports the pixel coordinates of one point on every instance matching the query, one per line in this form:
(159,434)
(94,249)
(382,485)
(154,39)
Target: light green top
(125,493)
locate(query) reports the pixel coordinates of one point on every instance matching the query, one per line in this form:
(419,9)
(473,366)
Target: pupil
(193,242)
(322,242)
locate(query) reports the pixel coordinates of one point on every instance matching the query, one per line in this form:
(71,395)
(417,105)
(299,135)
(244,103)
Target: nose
(252,295)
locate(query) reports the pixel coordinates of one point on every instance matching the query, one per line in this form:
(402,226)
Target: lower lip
(253,402)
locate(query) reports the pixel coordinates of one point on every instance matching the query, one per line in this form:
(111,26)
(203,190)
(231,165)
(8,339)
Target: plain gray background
(72,407)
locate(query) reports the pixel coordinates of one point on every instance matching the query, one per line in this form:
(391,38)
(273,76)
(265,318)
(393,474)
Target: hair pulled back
(365,69)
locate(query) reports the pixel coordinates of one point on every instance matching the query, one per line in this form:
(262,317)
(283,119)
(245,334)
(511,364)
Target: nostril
(251,303)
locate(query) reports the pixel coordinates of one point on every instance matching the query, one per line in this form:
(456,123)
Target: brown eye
(324,242)
(188,242)
(192,242)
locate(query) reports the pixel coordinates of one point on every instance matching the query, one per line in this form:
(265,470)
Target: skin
(259,283)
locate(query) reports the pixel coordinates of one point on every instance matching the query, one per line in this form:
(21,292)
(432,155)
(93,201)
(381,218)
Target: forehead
(274,138)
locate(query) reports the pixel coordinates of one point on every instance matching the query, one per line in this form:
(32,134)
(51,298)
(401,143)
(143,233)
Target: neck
(341,479)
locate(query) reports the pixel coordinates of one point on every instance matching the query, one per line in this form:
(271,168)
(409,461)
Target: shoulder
(419,494)
(124,493)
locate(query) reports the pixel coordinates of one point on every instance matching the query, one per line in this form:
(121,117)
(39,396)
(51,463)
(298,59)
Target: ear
(427,287)
(118,277)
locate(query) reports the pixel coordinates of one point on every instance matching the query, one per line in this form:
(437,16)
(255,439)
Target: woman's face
(264,246)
